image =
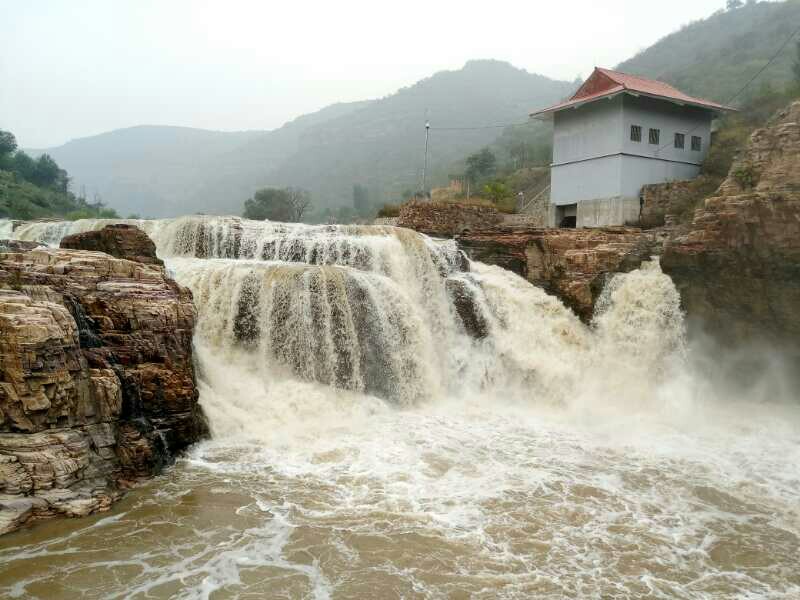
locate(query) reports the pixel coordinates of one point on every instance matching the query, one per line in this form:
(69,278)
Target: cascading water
(392,421)
(6,229)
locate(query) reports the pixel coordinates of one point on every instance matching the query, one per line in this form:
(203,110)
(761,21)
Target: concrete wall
(669,119)
(637,171)
(607,211)
(577,181)
(604,212)
(590,131)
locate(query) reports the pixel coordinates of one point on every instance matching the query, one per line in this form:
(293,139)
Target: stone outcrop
(17,245)
(738,266)
(462,295)
(573,264)
(97,384)
(673,202)
(121,241)
(446,219)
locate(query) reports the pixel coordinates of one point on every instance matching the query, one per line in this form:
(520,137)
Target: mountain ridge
(194,170)
(379,143)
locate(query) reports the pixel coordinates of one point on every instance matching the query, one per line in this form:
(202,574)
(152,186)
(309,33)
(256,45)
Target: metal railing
(524,207)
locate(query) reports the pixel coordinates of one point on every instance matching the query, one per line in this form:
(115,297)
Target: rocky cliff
(97,385)
(738,266)
(573,264)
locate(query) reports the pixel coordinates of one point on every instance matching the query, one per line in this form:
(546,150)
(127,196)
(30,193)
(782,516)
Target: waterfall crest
(392,313)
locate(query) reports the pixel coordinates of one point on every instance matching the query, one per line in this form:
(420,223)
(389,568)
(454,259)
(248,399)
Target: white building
(617,133)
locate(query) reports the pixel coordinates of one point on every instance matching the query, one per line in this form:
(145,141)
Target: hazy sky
(72,68)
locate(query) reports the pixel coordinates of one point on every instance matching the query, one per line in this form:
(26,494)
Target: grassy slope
(22,200)
(715,57)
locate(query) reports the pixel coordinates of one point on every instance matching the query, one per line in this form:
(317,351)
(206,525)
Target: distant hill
(711,58)
(163,171)
(715,57)
(155,170)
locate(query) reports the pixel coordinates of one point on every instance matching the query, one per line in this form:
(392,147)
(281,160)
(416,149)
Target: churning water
(391,421)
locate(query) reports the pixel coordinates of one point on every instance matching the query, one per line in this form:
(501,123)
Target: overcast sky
(71,68)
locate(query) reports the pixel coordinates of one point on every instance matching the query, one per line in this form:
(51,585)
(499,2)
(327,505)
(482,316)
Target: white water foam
(6,229)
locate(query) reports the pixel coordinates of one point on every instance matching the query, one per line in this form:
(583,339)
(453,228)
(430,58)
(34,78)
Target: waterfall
(6,229)
(376,399)
(396,315)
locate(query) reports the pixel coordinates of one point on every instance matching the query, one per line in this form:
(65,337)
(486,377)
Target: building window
(636,133)
(680,141)
(697,143)
(655,135)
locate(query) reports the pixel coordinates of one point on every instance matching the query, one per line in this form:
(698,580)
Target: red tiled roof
(603,83)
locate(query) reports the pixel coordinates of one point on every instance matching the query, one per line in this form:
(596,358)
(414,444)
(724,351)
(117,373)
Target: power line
(762,69)
(736,95)
(749,81)
(528,122)
(657,151)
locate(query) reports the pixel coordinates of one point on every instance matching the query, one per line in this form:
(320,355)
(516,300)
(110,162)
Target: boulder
(119,240)
(466,305)
(97,385)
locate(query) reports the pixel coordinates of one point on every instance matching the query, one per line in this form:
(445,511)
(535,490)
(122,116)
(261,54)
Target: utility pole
(425,164)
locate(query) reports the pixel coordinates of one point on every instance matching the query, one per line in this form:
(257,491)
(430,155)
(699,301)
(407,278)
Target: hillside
(154,170)
(712,58)
(39,188)
(381,146)
(715,57)
(162,171)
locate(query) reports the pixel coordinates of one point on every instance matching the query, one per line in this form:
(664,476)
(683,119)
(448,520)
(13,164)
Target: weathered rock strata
(572,264)
(96,379)
(738,266)
(119,240)
(446,219)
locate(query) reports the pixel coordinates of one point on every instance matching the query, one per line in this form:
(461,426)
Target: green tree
(278,204)
(496,191)
(268,203)
(24,166)
(481,165)
(361,202)
(734,4)
(8,143)
(46,171)
(300,201)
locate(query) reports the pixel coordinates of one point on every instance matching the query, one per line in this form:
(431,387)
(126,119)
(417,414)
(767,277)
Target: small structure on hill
(617,133)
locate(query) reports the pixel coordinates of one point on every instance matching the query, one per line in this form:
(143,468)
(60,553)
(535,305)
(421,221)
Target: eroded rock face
(738,267)
(572,264)
(446,219)
(120,240)
(96,379)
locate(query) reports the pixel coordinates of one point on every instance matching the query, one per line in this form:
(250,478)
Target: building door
(567,216)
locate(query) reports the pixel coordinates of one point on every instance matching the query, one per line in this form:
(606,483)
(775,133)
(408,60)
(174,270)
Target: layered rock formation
(674,201)
(122,241)
(573,264)
(446,219)
(96,379)
(738,267)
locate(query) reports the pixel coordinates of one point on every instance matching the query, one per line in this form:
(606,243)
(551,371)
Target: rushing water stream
(368,442)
